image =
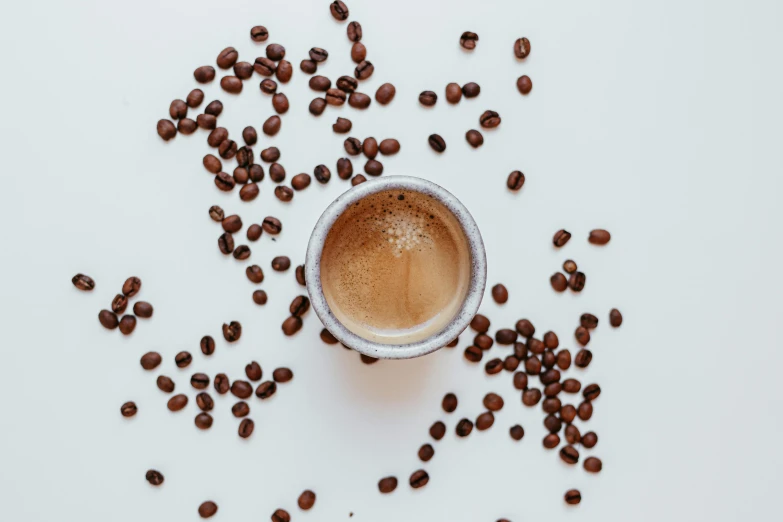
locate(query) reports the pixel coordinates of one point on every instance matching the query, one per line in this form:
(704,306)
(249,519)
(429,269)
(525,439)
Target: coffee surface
(395,267)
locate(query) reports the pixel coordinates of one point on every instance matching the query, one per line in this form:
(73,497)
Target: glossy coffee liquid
(395,267)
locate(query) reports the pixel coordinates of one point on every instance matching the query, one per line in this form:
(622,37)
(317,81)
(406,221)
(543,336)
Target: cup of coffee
(396,267)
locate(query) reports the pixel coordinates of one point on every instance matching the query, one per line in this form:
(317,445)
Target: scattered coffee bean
(267,86)
(582,335)
(437,143)
(357,179)
(569,454)
(243,70)
(281,515)
(216,213)
(552,424)
(551,441)
(352,146)
(259,33)
(389,146)
(271,126)
(359,100)
(493,402)
(550,376)
(387,484)
(500,295)
(300,275)
(591,392)
(259,297)
(320,83)
(475,139)
(83,282)
(358,54)
(505,336)
(207,509)
(568,413)
(308,66)
(515,180)
(204,74)
(473,353)
(241,389)
(246,428)
(480,323)
(150,360)
(254,273)
(548,359)
(253,371)
(593,465)
(551,405)
(232,331)
(599,237)
(231,84)
(573,497)
(571,386)
(264,66)
(318,55)
(165,384)
(280,103)
(127,324)
(227,57)
(299,306)
(143,309)
(232,223)
(207,345)
(426,452)
(222,384)
(322,174)
(525,328)
(354,31)
(277,172)
(281,263)
(449,402)
(119,304)
(178,110)
(272,225)
(471,89)
(419,479)
(553,389)
(177,402)
(373,167)
(300,182)
(195,98)
(585,410)
(520,351)
(284,71)
(306,500)
(327,337)
(483,341)
(342,125)
(560,238)
(217,136)
(266,389)
(292,325)
(317,106)
(131,286)
(385,93)
(569,266)
(183,359)
(520,380)
(339,10)
(485,421)
(428,98)
(335,97)
(284,193)
(559,282)
(364,70)
(366,359)
(517,432)
(493,366)
(589,439)
(535,346)
(524,84)
(577,281)
(155,477)
(615,318)
(572,435)
(240,409)
(204,401)
(583,358)
(468,40)
(521,48)
(249,192)
(282,375)
(464,427)
(531,396)
(187,126)
(227,149)
(129,409)
(453,93)
(370,147)
(348,84)
(214,108)
(489,119)
(275,52)
(438,430)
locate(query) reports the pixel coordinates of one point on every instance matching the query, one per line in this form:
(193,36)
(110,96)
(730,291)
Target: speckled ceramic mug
(478,269)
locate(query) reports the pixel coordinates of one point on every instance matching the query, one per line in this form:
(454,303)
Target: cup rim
(478,271)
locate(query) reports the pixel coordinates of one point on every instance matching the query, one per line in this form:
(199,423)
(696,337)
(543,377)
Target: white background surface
(657,120)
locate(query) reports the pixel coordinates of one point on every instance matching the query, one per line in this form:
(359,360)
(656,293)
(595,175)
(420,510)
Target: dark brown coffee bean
(559,282)
(475,139)
(177,402)
(598,236)
(308,66)
(358,54)
(373,167)
(493,402)
(284,71)
(275,52)
(339,10)
(521,48)
(561,237)
(227,57)
(615,318)
(419,479)
(292,325)
(165,384)
(282,375)
(437,430)
(453,93)
(204,401)
(150,360)
(553,389)
(281,515)
(259,33)
(232,331)
(320,83)
(468,40)
(485,421)
(280,103)
(318,54)
(480,323)
(426,452)
(550,376)
(591,392)
(370,147)
(354,31)
(129,409)
(531,396)
(253,371)
(183,359)
(389,146)
(505,336)
(449,402)
(342,125)
(300,181)
(204,74)
(195,98)
(264,66)
(524,84)
(268,86)
(364,70)
(366,359)
(271,126)
(281,263)
(428,98)
(352,146)
(563,359)
(241,389)
(231,84)
(277,172)
(187,126)
(155,477)
(83,282)
(517,432)
(127,324)
(520,380)
(589,439)
(300,275)
(249,192)
(473,353)
(306,500)
(493,366)
(500,295)
(385,93)
(585,410)
(317,106)
(515,180)
(240,409)
(284,193)
(572,435)
(241,176)
(131,286)
(359,100)
(222,383)
(471,90)
(217,136)
(259,297)
(387,484)
(232,223)
(299,306)
(535,346)
(227,149)
(588,321)
(226,243)
(322,174)
(349,84)
(216,213)
(272,225)
(203,421)
(582,335)
(246,428)
(119,304)
(593,464)
(254,273)
(483,341)
(358,179)
(573,497)
(437,143)
(583,358)
(551,441)
(552,424)
(577,281)
(266,389)
(569,454)
(489,119)
(178,110)
(571,386)
(551,405)
(335,97)
(520,351)
(548,359)
(143,309)
(525,328)
(464,427)
(243,70)
(214,108)
(568,414)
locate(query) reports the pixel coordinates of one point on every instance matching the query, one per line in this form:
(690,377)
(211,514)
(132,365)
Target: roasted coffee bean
(551,405)
(453,93)
(370,147)
(389,146)
(438,430)
(154,477)
(204,401)
(299,306)
(572,435)
(245,156)
(588,321)
(266,389)
(525,328)
(553,389)
(281,263)
(505,336)
(473,353)
(480,323)
(282,375)
(232,223)
(308,66)
(268,86)
(428,98)
(475,139)
(517,432)
(178,109)
(187,126)
(471,90)
(246,428)
(339,10)
(583,358)
(358,53)
(177,402)
(259,33)
(195,98)
(548,359)
(165,384)
(352,146)
(131,286)
(203,421)
(558,282)
(585,410)
(437,143)
(216,213)
(520,380)
(306,500)
(531,396)
(277,172)
(493,402)
(300,182)
(259,297)
(524,84)
(468,40)
(571,386)
(249,192)
(284,193)
(322,174)
(387,484)
(317,106)
(275,52)
(569,454)
(240,409)
(419,479)
(483,341)
(227,149)
(552,423)
(183,359)
(551,441)
(271,126)
(253,371)
(264,66)
(83,282)
(385,93)
(615,318)
(222,383)
(373,167)
(489,119)
(354,31)
(364,70)
(569,266)
(464,427)
(214,108)
(292,325)
(515,180)
(232,331)
(551,341)
(577,281)
(582,335)
(281,515)
(521,48)
(573,497)
(593,464)
(212,164)
(129,409)
(348,84)
(217,136)
(227,57)
(241,389)
(485,421)
(591,392)
(342,125)
(254,273)
(449,402)
(535,346)
(426,452)
(320,83)
(243,70)
(520,351)
(359,100)
(500,295)
(150,360)
(318,55)
(231,84)
(550,376)
(366,359)
(335,97)
(568,413)
(589,439)
(143,309)
(127,324)
(204,74)
(272,225)
(597,236)
(300,275)
(493,366)
(280,103)
(207,345)
(284,71)
(256,173)
(358,179)
(119,304)
(226,243)
(561,237)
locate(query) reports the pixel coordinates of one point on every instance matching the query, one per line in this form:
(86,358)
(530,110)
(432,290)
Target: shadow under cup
(401,277)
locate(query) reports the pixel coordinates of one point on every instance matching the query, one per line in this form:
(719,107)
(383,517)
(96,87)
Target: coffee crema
(395,267)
